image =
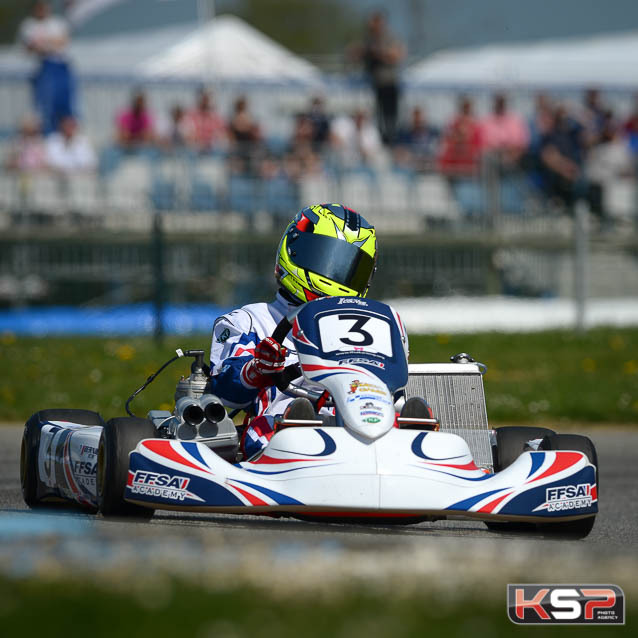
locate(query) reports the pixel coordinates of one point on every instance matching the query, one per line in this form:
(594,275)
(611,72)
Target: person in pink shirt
(206,128)
(135,124)
(27,152)
(503,133)
(461,144)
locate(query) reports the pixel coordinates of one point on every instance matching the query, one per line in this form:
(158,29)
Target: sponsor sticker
(171,487)
(351,300)
(372,419)
(368,397)
(567,497)
(361,361)
(358,386)
(223,336)
(535,604)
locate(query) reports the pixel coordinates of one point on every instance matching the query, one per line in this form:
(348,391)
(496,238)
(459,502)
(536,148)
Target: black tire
(120,437)
(510,443)
(578,443)
(31,442)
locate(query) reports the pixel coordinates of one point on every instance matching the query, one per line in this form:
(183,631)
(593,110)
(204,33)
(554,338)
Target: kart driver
(327,250)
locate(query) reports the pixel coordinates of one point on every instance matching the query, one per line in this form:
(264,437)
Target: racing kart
(367,438)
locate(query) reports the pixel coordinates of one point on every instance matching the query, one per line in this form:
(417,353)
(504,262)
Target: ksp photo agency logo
(535,604)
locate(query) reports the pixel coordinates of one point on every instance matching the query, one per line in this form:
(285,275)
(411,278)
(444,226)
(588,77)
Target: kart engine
(198,416)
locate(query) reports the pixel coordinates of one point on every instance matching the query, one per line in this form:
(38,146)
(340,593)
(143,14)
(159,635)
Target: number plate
(353,331)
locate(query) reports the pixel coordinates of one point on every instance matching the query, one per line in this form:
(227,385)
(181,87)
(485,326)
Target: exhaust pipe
(214,411)
(190,412)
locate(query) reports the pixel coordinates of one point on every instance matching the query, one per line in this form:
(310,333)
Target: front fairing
(354,349)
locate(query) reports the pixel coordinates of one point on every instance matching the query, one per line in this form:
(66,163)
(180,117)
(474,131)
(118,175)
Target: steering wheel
(283,380)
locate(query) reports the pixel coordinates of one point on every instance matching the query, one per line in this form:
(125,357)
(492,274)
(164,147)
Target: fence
(88,238)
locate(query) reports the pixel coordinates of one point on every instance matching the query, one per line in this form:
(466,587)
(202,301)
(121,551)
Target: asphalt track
(212,546)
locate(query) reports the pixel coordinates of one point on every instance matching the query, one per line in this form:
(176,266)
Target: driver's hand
(270,358)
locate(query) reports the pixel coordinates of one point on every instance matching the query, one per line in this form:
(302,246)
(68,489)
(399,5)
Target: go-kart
(367,438)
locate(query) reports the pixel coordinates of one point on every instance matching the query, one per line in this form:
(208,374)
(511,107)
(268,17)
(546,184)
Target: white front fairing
(362,400)
(331,470)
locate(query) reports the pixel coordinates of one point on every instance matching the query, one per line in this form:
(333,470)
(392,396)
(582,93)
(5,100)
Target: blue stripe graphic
(280,499)
(537,461)
(469,502)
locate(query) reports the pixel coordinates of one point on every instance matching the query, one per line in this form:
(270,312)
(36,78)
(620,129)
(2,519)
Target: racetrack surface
(213,548)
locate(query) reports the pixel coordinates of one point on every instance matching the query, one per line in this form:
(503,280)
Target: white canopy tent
(604,61)
(228,48)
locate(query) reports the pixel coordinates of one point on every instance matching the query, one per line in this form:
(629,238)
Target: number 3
(357,328)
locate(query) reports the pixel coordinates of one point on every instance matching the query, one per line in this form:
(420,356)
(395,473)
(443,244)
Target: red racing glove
(270,358)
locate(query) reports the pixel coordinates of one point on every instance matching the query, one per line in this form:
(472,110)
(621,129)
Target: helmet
(327,250)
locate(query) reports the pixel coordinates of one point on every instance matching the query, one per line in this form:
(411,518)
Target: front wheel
(577,443)
(510,443)
(119,438)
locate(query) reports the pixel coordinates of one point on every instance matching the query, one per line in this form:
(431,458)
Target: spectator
(504,135)
(46,36)
(461,145)
(607,162)
(303,132)
(68,151)
(357,141)
(320,123)
(562,155)
(206,128)
(381,55)
(630,128)
(27,152)
(173,134)
(245,137)
(135,124)
(416,144)
(594,116)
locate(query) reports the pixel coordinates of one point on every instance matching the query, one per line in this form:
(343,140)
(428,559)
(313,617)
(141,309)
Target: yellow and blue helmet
(327,250)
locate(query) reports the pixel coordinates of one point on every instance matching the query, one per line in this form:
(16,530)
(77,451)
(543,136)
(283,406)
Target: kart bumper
(329,472)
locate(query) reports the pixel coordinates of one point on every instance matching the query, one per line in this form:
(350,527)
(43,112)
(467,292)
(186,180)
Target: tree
(307,27)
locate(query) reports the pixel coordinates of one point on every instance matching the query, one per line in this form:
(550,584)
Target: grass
(555,377)
(178,609)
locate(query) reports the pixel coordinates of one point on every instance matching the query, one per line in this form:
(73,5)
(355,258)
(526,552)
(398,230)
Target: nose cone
(365,403)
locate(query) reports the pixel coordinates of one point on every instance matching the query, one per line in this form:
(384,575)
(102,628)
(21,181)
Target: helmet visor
(334,259)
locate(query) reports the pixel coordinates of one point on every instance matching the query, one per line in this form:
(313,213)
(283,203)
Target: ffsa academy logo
(566,604)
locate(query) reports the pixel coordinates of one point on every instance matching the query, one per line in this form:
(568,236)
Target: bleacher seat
(83,193)
(202,196)
(128,186)
(318,188)
(242,195)
(280,196)
(433,198)
(163,194)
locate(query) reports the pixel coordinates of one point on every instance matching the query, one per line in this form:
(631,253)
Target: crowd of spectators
(560,154)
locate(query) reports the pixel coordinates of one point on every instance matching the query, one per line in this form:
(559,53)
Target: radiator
(455,394)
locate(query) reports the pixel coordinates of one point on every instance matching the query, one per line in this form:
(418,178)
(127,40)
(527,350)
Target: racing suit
(235,336)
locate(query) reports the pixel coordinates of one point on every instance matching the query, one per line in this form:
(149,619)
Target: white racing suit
(235,336)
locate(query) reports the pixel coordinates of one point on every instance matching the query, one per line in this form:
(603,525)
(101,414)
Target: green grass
(553,377)
(177,609)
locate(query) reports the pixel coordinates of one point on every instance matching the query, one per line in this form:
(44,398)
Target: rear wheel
(30,446)
(578,443)
(120,437)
